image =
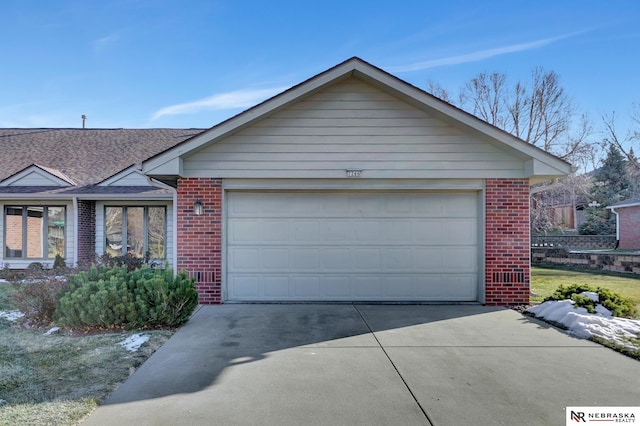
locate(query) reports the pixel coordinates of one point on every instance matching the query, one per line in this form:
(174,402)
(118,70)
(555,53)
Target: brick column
(507,246)
(86,232)
(199,238)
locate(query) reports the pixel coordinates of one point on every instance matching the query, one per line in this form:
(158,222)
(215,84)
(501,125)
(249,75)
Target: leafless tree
(537,111)
(624,143)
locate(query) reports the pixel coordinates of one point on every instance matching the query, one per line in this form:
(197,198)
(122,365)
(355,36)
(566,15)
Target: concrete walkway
(369,364)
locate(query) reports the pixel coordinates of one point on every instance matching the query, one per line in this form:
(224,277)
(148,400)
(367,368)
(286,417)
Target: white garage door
(345,246)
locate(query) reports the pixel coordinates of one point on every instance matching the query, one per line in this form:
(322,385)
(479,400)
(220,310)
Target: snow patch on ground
(51,331)
(584,325)
(133,343)
(11,315)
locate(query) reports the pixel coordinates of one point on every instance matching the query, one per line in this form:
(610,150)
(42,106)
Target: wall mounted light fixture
(198,208)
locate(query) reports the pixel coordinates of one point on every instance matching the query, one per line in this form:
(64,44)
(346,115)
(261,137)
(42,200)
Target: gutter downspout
(613,210)
(174,221)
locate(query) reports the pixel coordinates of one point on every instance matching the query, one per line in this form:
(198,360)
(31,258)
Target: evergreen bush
(112,297)
(618,305)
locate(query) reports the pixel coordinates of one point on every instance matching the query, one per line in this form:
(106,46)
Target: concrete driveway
(311,364)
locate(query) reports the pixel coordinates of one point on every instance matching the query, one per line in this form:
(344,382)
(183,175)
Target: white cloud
(229,100)
(479,55)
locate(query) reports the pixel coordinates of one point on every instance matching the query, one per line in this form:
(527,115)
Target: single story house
(627,223)
(350,186)
(80,192)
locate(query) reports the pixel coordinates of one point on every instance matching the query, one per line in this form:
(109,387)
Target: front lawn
(59,379)
(544,281)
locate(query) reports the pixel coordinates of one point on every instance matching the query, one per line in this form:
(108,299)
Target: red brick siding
(86,231)
(507,248)
(200,237)
(629,226)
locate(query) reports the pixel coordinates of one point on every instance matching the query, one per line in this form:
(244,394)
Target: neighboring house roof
(76,161)
(540,165)
(629,202)
(83,156)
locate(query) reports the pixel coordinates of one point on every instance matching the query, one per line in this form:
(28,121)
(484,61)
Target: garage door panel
(464,259)
(244,287)
(460,231)
(306,231)
(367,287)
(337,231)
(352,246)
(428,231)
(428,259)
(244,231)
(398,287)
(337,287)
(273,231)
(306,287)
(244,259)
(367,231)
(274,287)
(275,259)
(337,259)
(398,259)
(397,231)
(306,259)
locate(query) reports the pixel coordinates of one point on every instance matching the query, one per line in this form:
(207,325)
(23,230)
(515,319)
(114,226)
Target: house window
(34,232)
(137,230)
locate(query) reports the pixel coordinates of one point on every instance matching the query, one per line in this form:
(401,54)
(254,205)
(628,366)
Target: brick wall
(629,223)
(200,237)
(507,261)
(86,231)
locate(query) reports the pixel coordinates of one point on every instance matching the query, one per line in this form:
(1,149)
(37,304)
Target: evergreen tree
(611,184)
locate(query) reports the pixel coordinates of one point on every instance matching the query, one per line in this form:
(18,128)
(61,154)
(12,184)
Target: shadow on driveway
(368,364)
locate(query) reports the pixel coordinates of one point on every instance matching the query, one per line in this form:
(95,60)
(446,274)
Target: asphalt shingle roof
(87,156)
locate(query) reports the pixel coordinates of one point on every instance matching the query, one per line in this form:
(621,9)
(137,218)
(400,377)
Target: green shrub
(113,297)
(620,306)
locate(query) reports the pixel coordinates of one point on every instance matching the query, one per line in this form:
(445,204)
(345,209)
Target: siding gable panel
(352,125)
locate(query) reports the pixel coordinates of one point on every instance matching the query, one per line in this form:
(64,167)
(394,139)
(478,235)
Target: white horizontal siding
(352,125)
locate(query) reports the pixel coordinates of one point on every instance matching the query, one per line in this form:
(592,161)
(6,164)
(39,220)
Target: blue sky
(146,63)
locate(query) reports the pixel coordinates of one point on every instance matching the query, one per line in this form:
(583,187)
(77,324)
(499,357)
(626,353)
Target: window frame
(25,231)
(145,227)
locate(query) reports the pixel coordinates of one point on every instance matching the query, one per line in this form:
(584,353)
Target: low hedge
(109,297)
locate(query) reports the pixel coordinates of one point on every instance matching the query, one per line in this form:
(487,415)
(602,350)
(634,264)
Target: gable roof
(38,174)
(539,164)
(82,156)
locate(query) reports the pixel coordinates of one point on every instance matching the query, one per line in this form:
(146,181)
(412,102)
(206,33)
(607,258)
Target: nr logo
(577,416)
